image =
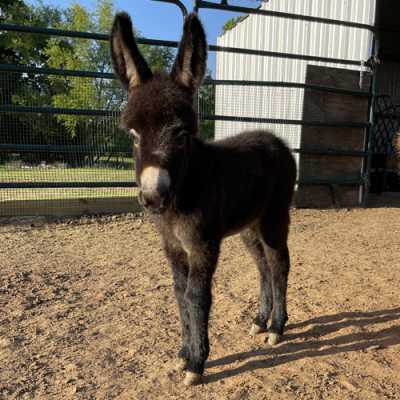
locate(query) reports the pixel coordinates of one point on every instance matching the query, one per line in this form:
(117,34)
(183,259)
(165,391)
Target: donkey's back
(257,153)
(252,174)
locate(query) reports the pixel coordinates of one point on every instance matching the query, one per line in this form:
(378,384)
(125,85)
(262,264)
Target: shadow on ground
(312,332)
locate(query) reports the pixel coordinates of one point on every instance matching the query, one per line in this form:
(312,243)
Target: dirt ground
(87,312)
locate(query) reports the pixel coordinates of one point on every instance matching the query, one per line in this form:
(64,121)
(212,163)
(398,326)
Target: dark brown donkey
(201,192)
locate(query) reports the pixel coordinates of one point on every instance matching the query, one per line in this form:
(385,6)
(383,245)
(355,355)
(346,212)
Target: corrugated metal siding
(287,36)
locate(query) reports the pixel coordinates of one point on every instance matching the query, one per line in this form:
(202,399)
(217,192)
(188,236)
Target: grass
(65,174)
(64,194)
(37,174)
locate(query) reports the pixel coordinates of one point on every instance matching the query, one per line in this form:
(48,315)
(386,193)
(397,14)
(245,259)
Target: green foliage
(17,48)
(79,54)
(22,48)
(206,101)
(82,54)
(61,91)
(231,23)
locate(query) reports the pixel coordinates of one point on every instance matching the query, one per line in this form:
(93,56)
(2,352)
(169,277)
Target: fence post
(371,130)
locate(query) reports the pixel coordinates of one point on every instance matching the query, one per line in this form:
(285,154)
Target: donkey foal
(199,193)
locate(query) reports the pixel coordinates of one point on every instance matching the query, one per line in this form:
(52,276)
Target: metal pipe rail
(50,148)
(286,121)
(132,184)
(57,110)
(66,185)
(208,117)
(289,56)
(177,3)
(294,85)
(55,71)
(306,18)
(367,153)
(168,43)
(79,34)
(199,4)
(107,75)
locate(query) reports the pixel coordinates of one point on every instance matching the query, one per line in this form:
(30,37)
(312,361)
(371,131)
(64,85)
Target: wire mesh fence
(45,148)
(49,152)
(59,134)
(384,170)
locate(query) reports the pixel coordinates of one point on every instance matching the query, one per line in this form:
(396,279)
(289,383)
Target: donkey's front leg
(198,298)
(180,270)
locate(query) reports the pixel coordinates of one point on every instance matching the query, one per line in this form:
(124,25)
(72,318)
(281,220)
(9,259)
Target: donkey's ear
(190,64)
(129,64)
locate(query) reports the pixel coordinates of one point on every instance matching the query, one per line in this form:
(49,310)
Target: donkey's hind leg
(255,246)
(274,231)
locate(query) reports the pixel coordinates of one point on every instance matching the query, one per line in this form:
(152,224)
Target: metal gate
(96,169)
(384,175)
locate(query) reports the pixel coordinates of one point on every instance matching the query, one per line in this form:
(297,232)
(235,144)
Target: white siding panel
(286,36)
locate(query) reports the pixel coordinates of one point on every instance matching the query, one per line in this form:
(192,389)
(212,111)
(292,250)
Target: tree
(83,54)
(231,23)
(92,93)
(61,91)
(16,48)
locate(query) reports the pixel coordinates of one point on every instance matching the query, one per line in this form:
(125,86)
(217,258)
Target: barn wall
(329,107)
(288,36)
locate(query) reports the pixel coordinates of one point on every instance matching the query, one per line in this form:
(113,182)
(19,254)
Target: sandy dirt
(87,312)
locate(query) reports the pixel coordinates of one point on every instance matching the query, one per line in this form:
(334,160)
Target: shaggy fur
(241,184)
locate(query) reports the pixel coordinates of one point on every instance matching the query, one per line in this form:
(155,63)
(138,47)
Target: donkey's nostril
(152,200)
(148,200)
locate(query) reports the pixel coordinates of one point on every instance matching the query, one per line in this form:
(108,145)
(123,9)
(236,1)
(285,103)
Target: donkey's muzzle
(154,201)
(154,188)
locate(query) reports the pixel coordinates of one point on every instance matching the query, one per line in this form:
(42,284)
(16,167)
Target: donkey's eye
(181,139)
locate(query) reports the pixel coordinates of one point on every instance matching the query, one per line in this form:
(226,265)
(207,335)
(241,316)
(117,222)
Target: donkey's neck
(200,168)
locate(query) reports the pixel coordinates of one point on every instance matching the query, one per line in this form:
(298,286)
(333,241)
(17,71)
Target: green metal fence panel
(52,151)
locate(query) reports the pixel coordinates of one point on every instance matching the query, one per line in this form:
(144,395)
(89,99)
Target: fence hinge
(371,64)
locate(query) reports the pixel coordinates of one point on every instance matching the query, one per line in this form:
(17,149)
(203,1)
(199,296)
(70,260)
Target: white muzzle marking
(152,178)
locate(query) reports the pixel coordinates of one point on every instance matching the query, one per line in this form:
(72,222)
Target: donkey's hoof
(274,338)
(180,365)
(255,330)
(192,379)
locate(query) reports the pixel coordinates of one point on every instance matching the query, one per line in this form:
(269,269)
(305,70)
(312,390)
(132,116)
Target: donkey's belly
(237,229)
(234,228)
(241,214)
